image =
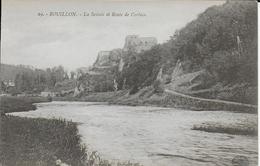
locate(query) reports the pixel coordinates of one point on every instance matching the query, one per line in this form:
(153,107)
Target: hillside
(213,56)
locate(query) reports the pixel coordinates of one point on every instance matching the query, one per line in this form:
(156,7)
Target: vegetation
(152,97)
(44,142)
(39,79)
(98,82)
(8,72)
(18,104)
(39,141)
(32,80)
(222,41)
(141,71)
(158,86)
(95,97)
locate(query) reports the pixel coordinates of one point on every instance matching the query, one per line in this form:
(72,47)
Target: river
(152,135)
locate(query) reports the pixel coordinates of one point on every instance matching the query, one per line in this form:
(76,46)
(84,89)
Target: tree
(72,75)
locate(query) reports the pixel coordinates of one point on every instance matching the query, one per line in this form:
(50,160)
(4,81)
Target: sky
(74,41)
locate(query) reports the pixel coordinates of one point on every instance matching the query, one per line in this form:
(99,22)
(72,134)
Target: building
(139,44)
(102,58)
(108,58)
(48,94)
(9,83)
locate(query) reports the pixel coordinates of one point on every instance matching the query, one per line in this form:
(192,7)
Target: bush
(158,86)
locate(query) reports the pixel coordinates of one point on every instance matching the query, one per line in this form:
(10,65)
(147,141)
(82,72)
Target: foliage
(18,104)
(39,141)
(143,70)
(27,141)
(95,83)
(222,40)
(158,86)
(8,72)
(38,80)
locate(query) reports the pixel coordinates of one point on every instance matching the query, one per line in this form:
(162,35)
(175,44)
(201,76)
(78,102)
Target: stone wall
(108,58)
(132,42)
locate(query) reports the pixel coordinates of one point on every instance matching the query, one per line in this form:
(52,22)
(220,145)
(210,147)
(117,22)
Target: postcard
(128,83)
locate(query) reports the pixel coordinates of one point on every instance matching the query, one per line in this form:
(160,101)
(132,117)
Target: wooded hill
(29,79)
(8,72)
(218,50)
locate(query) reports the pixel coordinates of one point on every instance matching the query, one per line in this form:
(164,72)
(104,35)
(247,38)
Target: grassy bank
(147,96)
(95,97)
(41,142)
(29,142)
(18,104)
(45,142)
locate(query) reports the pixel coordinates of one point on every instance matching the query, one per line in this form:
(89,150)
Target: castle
(139,44)
(102,58)
(108,58)
(132,42)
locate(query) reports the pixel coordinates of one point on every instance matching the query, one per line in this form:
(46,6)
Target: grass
(95,97)
(42,142)
(146,96)
(18,104)
(27,141)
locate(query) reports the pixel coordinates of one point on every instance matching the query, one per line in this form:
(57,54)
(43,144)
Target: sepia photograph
(129,83)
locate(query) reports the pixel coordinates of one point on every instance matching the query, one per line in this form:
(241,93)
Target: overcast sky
(75,41)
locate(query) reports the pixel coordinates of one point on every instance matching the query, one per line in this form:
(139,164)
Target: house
(48,94)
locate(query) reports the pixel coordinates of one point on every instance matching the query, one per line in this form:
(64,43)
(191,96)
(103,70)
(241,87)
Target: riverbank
(39,141)
(36,141)
(140,133)
(147,97)
(29,142)
(19,104)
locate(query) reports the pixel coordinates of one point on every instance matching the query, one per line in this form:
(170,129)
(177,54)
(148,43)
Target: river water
(151,135)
